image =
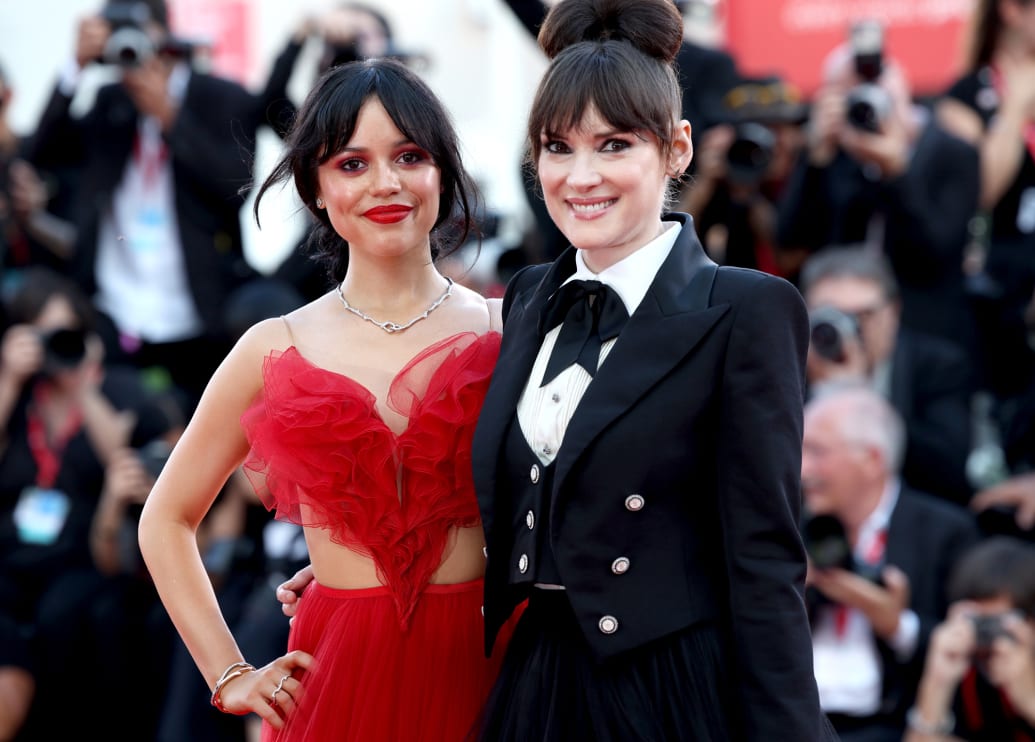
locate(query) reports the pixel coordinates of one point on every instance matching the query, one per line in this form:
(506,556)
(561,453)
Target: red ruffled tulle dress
(403,661)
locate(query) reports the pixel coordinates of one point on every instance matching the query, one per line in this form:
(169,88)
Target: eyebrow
(400,143)
(606,134)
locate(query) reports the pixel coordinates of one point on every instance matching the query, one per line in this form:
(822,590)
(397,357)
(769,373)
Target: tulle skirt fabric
(374,681)
(552,689)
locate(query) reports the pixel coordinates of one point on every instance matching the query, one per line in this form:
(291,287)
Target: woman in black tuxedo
(637,460)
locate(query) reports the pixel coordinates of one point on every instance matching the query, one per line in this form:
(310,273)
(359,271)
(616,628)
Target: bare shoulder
(478,311)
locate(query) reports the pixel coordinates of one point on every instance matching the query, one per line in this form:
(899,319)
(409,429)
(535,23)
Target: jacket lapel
(671,320)
(518,352)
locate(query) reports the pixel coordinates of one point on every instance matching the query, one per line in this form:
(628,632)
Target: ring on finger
(278,689)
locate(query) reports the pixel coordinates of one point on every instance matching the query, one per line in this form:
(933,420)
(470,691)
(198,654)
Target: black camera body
(154,455)
(867,104)
(830,330)
(751,152)
(987,628)
(129,44)
(826,543)
(63,349)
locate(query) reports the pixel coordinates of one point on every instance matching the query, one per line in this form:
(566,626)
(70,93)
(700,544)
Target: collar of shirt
(878,519)
(148,128)
(631,276)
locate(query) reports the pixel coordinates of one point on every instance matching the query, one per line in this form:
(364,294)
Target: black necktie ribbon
(590,313)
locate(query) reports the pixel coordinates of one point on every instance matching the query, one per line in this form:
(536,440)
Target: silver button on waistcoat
(523,563)
(608,625)
(530,520)
(620,565)
(534,474)
(634,503)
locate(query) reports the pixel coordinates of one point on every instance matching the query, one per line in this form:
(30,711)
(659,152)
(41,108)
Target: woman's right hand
(290,591)
(272,691)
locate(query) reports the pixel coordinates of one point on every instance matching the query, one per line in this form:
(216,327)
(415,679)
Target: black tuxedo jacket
(211,147)
(697,409)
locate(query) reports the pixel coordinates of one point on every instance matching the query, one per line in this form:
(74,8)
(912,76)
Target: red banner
(791,38)
(223,30)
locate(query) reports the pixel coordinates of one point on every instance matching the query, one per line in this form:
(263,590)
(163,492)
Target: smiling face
(604,188)
(381,192)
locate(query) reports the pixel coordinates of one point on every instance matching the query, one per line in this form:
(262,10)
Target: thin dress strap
(287,325)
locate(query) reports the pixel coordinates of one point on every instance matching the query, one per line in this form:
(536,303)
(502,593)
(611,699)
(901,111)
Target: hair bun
(655,27)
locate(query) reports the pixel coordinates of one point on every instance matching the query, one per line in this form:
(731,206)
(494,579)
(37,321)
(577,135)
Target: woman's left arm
(760,436)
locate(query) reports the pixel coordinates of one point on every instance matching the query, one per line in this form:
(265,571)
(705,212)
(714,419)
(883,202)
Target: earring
(319,202)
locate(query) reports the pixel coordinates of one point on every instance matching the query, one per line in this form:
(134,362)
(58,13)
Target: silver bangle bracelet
(918,723)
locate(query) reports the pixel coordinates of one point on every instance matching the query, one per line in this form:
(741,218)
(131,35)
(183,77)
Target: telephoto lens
(830,329)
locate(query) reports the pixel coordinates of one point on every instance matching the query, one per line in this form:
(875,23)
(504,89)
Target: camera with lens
(129,44)
(987,628)
(751,152)
(826,543)
(867,104)
(830,330)
(63,349)
(153,455)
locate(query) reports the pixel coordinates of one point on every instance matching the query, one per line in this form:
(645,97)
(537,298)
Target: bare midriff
(342,568)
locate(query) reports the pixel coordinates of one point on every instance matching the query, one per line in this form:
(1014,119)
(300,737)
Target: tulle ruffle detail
(322,456)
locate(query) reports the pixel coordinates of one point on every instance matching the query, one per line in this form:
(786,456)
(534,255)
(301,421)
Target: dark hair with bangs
(613,55)
(325,123)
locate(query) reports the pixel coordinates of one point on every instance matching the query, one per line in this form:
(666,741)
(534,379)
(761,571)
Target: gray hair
(866,418)
(849,261)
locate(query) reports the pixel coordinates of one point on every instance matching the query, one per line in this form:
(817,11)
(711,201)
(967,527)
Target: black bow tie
(591,313)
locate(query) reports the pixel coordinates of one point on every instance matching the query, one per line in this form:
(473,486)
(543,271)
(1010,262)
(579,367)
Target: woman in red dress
(353,416)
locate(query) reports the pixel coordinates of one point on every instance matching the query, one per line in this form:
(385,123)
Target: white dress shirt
(847,663)
(141,273)
(544,412)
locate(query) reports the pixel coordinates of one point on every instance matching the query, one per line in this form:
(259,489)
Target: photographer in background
(874,593)
(878,170)
(346,32)
(58,429)
(979,679)
(160,161)
(29,233)
(857,335)
(742,166)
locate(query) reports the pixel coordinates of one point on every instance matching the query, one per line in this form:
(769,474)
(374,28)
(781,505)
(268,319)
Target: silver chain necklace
(392,327)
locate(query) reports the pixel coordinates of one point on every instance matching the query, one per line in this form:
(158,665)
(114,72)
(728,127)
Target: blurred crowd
(907,223)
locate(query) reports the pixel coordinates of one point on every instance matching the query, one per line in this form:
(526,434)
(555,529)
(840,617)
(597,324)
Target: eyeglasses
(864,315)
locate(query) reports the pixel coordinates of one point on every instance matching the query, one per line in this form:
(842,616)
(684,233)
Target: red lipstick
(388,214)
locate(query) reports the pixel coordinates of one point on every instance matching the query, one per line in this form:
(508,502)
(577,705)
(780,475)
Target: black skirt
(551,688)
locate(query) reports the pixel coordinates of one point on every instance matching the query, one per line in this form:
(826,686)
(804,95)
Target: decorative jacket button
(523,563)
(530,520)
(485,552)
(620,565)
(608,625)
(534,474)
(634,503)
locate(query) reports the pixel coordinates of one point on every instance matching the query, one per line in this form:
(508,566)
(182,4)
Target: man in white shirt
(161,159)
(872,612)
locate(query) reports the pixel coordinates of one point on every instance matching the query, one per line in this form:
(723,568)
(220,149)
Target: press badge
(1026,212)
(40,515)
